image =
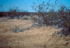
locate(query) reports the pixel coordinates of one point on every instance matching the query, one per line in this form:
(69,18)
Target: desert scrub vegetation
(46,15)
(61,18)
(34,18)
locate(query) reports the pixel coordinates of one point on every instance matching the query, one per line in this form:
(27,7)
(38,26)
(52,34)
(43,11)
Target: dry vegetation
(36,30)
(35,37)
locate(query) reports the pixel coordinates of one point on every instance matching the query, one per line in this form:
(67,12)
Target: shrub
(60,18)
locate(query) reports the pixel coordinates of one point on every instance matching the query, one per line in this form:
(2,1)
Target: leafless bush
(60,18)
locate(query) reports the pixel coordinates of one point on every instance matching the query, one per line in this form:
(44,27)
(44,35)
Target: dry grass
(40,37)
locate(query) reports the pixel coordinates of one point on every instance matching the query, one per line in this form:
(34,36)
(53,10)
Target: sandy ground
(40,37)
